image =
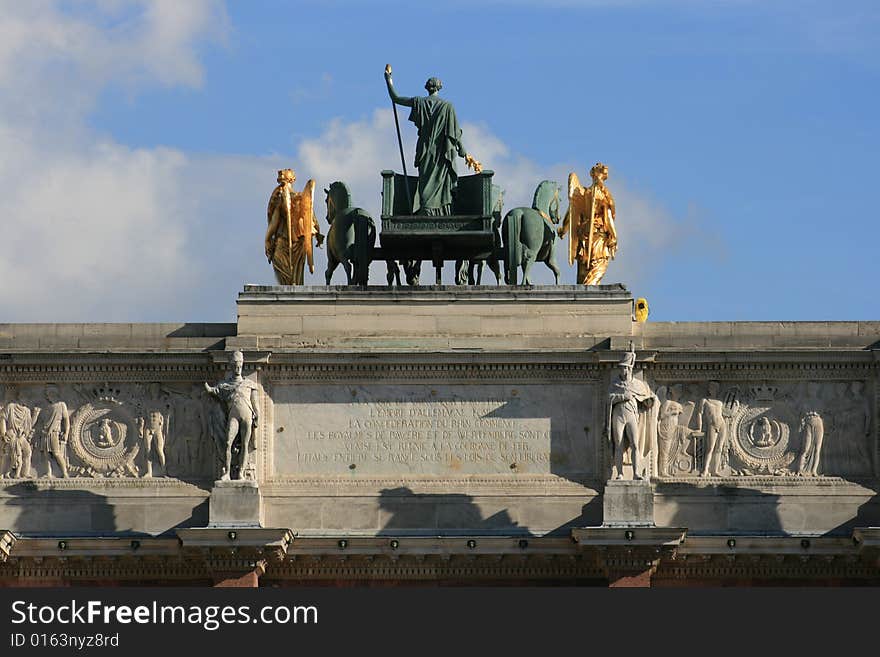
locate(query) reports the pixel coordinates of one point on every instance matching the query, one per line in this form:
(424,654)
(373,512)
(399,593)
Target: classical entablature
(440,434)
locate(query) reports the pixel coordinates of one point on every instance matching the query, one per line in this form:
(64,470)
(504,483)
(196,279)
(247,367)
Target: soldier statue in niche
(240,399)
(632,420)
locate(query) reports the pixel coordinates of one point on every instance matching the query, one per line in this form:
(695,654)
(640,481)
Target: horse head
(554,205)
(546,200)
(338,200)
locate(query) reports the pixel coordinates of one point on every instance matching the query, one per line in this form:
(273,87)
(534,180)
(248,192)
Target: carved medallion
(761,439)
(104,436)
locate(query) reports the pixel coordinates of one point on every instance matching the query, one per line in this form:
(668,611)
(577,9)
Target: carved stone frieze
(731,428)
(106,430)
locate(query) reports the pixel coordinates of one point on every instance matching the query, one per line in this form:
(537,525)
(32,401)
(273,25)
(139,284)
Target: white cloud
(93,230)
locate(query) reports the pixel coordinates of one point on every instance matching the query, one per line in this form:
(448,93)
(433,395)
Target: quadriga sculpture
(530,235)
(470,272)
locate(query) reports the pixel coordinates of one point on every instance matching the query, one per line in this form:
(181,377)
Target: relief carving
(191,430)
(813,430)
(807,429)
(55,432)
(115,431)
(676,443)
(712,416)
(153,422)
(104,439)
(17,423)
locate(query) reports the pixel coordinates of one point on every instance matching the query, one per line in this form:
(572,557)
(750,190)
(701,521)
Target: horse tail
(512,245)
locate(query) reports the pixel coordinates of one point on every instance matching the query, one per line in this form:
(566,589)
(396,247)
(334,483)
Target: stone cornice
(528,485)
(281,556)
(432,293)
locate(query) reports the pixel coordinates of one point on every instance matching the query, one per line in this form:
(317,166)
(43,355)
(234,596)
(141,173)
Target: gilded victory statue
(292,226)
(590,218)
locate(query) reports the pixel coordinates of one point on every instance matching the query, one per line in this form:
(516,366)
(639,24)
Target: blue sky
(141,141)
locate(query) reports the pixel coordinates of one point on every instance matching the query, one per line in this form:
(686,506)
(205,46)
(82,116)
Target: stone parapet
(431,318)
(120,337)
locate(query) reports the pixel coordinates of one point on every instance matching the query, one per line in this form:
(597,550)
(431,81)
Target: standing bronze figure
(438,144)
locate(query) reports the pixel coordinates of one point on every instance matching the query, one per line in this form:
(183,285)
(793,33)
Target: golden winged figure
(292,225)
(590,217)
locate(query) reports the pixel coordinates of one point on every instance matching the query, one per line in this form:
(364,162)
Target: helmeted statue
(292,225)
(438,144)
(241,402)
(632,419)
(590,218)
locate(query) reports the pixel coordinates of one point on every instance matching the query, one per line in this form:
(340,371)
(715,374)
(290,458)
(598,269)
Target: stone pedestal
(628,504)
(235,504)
(430,318)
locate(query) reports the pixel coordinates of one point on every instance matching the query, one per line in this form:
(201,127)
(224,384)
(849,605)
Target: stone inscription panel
(443,430)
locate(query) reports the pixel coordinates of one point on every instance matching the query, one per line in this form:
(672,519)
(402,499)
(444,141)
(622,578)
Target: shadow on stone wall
(441,515)
(214,335)
(867,515)
(719,510)
(409,513)
(591,516)
(744,510)
(35,511)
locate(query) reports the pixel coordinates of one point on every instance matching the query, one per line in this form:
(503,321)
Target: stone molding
(280,557)
(433,293)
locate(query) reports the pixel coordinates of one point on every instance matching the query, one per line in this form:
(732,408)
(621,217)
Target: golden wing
(306,221)
(573,184)
(577,212)
(278,216)
(610,217)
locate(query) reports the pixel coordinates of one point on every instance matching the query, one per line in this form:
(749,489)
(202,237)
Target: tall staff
(399,140)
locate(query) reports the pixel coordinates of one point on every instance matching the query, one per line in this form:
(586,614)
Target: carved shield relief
(104,436)
(762,439)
